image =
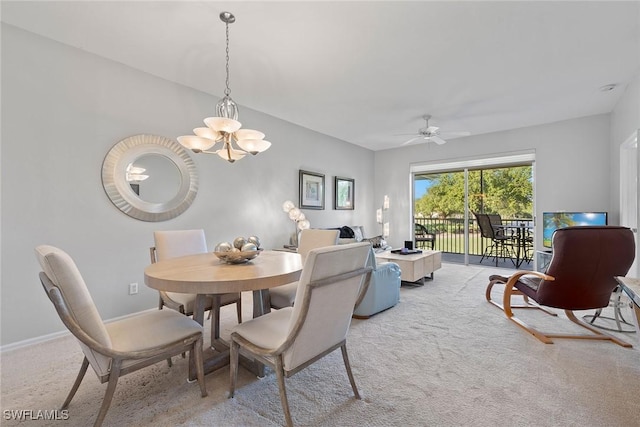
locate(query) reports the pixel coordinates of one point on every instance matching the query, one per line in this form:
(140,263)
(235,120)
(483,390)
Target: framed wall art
(344,193)
(311,190)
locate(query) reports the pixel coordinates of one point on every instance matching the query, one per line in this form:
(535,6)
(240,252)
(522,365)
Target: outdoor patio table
(522,232)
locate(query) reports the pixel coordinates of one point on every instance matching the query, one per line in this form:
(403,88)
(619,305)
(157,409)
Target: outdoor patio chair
(501,245)
(423,236)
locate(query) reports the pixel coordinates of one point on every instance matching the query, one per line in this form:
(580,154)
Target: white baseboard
(59,334)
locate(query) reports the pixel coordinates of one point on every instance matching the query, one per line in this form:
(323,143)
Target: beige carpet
(442,357)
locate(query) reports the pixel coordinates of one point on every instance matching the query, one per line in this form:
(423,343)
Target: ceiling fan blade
(437,140)
(432,129)
(412,139)
(455,134)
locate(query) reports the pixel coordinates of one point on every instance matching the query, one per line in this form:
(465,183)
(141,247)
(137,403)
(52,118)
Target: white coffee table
(414,267)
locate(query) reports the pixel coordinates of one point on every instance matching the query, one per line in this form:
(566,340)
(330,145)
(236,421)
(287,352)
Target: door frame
(629,186)
(464,165)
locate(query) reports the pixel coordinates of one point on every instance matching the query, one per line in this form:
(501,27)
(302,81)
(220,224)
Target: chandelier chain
(227,91)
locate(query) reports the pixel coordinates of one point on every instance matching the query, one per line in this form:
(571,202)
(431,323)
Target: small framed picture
(311,190)
(344,193)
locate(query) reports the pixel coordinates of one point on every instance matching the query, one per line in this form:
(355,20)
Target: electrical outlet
(133,288)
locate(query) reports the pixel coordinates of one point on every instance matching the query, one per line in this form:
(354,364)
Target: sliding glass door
(445,202)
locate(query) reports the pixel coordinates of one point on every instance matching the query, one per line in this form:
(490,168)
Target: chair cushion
(151,329)
(268,331)
(187,300)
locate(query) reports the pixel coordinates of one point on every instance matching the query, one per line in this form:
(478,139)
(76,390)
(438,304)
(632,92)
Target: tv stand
(543,258)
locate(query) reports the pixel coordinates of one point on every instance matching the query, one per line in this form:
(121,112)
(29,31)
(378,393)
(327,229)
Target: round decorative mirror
(150,177)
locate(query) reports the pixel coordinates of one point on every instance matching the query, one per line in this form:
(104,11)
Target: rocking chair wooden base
(507,307)
(514,291)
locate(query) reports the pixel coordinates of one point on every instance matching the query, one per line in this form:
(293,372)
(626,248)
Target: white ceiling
(366,71)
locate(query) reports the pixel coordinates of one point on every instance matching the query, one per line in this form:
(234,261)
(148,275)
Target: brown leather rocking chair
(580,276)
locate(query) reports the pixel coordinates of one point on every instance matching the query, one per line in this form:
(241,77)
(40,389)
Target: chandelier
(225,127)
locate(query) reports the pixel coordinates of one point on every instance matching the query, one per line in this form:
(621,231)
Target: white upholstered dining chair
(116,348)
(333,281)
(285,295)
(176,243)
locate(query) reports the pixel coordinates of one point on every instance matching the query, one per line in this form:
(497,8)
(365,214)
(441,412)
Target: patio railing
(450,233)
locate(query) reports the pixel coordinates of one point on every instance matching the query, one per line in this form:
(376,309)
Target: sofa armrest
(383,292)
(387,267)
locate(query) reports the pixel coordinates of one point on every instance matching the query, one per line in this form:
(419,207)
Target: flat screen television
(551,221)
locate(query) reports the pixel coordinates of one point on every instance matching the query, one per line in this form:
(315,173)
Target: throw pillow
(357,233)
(346,233)
(375,241)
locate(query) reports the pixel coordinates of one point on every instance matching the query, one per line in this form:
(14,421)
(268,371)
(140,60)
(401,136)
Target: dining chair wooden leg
(233,367)
(76,384)
(283,390)
(347,365)
(111,388)
(196,352)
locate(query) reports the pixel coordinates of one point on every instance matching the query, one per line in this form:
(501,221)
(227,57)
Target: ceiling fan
(432,133)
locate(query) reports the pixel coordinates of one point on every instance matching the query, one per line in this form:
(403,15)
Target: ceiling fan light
(222,124)
(196,143)
(248,134)
(254,146)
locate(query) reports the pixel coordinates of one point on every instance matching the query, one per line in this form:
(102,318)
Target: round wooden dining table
(204,275)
